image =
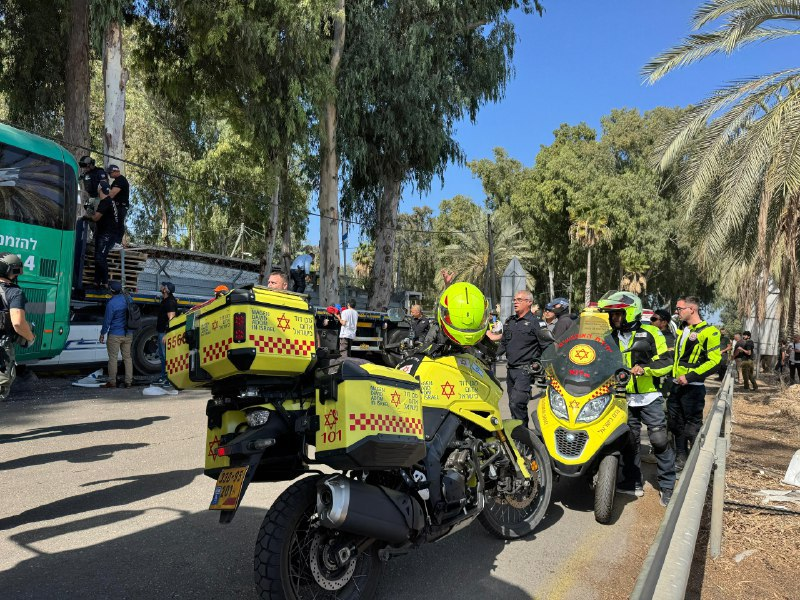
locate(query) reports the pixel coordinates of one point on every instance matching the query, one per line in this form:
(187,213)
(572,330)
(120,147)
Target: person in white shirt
(349,322)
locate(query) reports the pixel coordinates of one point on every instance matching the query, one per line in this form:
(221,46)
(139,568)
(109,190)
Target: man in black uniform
(14,326)
(108,218)
(524,338)
(419,323)
(91,177)
(120,194)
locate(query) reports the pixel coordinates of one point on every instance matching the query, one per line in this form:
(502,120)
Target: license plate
(229,489)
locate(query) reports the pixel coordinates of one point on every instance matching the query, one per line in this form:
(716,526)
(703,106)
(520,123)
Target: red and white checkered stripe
(275,345)
(387,423)
(217,350)
(176,364)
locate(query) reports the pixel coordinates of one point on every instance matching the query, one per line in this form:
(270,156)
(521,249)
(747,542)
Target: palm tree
(736,155)
(468,256)
(634,281)
(589,233)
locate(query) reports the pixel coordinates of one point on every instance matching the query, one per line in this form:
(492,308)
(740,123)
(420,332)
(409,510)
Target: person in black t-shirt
(16,326)
(120,193)
(107,216)
(166,311)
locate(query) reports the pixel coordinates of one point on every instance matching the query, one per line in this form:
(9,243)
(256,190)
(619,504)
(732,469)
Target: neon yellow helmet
(628,302)
(463,314)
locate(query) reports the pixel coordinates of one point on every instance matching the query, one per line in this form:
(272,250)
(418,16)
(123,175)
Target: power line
(217,189)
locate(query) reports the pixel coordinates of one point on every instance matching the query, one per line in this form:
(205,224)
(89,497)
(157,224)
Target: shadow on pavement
(193,556)
(81,455)
(79,428)
(575,494)
(132,489)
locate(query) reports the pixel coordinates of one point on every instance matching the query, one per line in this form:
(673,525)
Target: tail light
(239,328)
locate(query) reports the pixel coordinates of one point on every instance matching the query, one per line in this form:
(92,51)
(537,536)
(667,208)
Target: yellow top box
(249,331)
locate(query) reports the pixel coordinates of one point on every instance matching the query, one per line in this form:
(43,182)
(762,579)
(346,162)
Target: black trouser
(685,408)
(794,368)
(721,369)
(654,418)
(518,385)
(102,246)
(345,345)
(80,254)
(298,280)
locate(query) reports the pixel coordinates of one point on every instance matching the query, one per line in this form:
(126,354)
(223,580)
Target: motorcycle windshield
(585,357)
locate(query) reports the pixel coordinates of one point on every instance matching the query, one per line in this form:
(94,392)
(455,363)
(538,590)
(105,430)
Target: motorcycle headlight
(557,404)
(593,409)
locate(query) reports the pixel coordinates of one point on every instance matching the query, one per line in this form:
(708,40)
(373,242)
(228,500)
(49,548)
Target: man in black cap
(109,219)
(120,194)
(166,311)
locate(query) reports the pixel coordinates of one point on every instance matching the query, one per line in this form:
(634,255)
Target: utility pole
(492,274)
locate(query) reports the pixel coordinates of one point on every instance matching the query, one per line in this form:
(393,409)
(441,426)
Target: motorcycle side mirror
(395,314)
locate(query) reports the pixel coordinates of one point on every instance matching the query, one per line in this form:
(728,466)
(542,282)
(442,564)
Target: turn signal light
(239,328)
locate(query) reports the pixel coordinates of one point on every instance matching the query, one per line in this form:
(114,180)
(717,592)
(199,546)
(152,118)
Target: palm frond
(716,9)
(701,45)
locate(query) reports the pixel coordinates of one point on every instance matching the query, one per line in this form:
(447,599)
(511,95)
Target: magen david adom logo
(582,354)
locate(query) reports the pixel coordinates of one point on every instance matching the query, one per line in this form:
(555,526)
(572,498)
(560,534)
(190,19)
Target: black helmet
(86,161)
(558,306)
(10,265)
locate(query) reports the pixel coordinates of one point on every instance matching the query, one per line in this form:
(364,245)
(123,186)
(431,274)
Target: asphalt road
(104,497)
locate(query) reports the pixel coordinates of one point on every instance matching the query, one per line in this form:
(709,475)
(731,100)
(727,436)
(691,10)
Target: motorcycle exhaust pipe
(369,510)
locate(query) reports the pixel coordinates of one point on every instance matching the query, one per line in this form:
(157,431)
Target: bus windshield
(33,189)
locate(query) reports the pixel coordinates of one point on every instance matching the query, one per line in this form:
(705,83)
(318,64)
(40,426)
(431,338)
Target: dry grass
(766,434)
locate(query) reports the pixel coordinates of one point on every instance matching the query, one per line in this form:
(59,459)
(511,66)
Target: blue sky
(579,61)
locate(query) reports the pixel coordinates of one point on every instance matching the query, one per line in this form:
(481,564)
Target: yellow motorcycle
(583,415)
(412,454)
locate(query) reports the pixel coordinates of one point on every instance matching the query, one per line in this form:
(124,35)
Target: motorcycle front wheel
(604,489)
(512,516)
(293,558)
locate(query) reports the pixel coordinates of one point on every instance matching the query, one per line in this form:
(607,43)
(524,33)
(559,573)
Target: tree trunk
(329,177)
(588,292)
(550,275)
(162,208)
(271,232)
(115,78)
(76,104)
(385,232)
(286,241)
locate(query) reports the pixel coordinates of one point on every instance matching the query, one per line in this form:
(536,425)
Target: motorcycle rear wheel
(290,559)
(605,488)
(509,517)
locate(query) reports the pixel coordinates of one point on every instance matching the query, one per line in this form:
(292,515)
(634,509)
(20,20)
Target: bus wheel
(145,349)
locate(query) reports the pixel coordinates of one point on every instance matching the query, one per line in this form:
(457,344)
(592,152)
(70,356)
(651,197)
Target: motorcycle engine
(458,479)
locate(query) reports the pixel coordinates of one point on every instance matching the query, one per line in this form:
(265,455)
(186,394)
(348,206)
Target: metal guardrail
(665,572)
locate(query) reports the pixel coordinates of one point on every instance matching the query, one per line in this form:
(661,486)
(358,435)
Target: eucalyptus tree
(410,70)
(262,66)
(737,149)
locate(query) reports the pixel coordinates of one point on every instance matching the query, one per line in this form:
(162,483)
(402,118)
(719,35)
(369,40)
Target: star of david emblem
(396,398)
(283,322)
(574,405)
(448,390)
(331,418)
(581,353)
(212,448)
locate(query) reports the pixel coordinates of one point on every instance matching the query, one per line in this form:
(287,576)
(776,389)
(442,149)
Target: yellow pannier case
(370,417)
(249,331)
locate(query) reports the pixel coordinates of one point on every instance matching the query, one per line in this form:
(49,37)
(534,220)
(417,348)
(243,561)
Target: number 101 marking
(329,437)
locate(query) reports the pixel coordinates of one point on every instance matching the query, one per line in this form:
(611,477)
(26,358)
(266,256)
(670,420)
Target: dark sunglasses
(655,319)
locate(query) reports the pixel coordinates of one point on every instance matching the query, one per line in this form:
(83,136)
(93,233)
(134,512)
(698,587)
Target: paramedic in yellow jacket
(644,349)
(697,354)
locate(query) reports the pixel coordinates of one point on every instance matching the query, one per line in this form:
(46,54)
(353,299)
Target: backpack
(6,326)
(134,316)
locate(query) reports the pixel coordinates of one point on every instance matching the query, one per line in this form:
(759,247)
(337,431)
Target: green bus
(39,197)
